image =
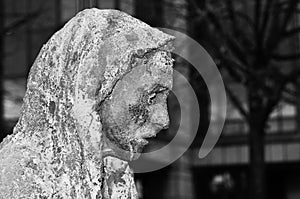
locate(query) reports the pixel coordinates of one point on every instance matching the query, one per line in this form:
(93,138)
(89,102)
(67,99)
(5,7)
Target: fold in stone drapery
(55,149)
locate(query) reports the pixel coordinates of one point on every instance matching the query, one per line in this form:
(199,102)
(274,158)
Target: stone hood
(55,149)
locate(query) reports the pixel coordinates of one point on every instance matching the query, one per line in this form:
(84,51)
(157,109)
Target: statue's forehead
(155,68)
(144,78)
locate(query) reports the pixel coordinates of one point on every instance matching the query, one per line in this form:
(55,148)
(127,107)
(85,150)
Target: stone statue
(95,92)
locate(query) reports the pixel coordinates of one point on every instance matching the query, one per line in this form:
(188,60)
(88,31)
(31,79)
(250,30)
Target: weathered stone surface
(58,147)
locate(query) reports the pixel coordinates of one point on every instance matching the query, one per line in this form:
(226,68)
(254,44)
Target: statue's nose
(160,116)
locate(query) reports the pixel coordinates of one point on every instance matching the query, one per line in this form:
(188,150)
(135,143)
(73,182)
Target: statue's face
(137,107)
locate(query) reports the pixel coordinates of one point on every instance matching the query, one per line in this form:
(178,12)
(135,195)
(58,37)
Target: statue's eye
(151,98)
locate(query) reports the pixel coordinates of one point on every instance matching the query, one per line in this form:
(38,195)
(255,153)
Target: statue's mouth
(149,136)
(145,139)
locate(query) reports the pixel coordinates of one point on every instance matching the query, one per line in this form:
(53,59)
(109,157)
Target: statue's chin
(132,152)
(123,155)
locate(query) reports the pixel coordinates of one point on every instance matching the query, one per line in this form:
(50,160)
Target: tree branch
(233,71)
(292,6)
(280,24)
(239,31)
(266,17)
(232,44)
(246,18)
(257,14)
(30,17)
(286,57)
(237,103)
(274,32)
(274,100)
(291,32)
(293,76)
(232,17)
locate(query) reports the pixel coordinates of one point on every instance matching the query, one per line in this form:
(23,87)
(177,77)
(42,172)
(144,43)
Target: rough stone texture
(55,150)
(137,108)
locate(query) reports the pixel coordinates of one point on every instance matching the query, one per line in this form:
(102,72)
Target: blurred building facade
(223,173)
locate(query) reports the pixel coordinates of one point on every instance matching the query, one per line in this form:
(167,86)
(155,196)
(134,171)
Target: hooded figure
(96,90)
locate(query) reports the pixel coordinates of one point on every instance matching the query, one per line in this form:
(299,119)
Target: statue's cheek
(139,114)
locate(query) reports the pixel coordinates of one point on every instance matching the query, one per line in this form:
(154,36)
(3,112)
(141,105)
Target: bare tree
(2,28)
(249,41)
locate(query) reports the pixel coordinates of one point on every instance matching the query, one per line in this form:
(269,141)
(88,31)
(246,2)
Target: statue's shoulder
(11,171)
(19,171)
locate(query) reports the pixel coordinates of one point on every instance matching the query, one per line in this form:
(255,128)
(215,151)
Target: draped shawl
(55,148)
